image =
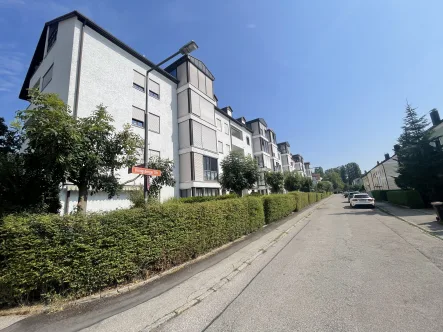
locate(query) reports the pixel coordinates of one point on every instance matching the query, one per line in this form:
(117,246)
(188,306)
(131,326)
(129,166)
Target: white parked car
(362,199)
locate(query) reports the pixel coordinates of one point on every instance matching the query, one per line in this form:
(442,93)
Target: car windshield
(361,196)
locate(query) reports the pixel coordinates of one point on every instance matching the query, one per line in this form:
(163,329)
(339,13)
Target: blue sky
(319,72)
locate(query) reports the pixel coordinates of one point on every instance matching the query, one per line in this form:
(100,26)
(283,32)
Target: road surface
(337,269)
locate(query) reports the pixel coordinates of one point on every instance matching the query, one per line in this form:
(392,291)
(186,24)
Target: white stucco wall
(107,74)
(60,55)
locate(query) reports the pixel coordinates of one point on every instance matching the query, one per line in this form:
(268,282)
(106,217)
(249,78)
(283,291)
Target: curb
(409,222)
(230,276)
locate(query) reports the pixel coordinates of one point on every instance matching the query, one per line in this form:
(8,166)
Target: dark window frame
(51,68)
(138,123)
(138,87)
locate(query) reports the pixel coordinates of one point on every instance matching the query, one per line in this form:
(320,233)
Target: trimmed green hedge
(410,198)
(200,199)
(312,198)
(44,255)
(75,255)
(380,195)
(277,206)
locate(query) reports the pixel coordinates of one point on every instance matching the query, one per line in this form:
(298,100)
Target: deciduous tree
(275,180)
(238,172)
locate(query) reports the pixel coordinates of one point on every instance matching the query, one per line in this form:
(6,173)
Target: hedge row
(410,198)
(76,255)
(43,255)
(200,199)
(278,206)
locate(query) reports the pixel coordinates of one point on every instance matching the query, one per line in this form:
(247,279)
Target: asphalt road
(334,269)
(345,270)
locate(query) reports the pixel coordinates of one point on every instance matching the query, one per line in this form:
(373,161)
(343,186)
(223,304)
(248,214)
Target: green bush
(75,255)
(319,197)
(277,206)
(200,199)
(410,198)
(301,198)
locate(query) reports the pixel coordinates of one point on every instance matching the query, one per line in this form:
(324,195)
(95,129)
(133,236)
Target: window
(211,192)
(210,168)
(264,145)
(52,36)
(237,133)
(228,148)
(259,160)
(247,141)
(154,89)
(37,85)
(138,82)
(137,123)
(154,123)
(138,117)
(226,129)
(154,154)
(220,147)
(185,193)
(47,77)
(199,191)
(219,125)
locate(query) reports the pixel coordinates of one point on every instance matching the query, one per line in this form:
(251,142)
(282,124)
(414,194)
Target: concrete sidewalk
(422,218)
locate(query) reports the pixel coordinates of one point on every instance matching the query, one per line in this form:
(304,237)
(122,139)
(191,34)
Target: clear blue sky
(319,72)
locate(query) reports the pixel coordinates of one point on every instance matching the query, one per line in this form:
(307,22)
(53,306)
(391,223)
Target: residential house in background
(382,176)
(316,178)
(276,159)
(357,182)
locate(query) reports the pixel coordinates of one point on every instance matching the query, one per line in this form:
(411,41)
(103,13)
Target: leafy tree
(85,151)
(275,180)
(293,181)
(166,166)
(324,186)
(420,159)
(352,171)
(335,178)
(319,170)
(306,185)
(238,172)
(25,186)
(343,174)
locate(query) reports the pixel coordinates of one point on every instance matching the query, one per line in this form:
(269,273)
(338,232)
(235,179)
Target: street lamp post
(185,49)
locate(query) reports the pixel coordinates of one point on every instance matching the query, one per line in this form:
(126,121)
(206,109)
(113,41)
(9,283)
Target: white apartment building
(286,156)
(87,66)
(299,165)
(308,171)
(262,151)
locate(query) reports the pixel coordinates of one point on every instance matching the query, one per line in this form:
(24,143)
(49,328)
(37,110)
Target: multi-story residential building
(260,147)
(206,133)
(299,165)
(87,66)
(276,160)
(286,156)
(308,171)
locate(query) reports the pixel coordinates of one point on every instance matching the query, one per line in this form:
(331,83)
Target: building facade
(87,66)
(286,156)
(382,176)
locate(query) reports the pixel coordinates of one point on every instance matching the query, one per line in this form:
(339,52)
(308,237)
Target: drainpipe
(79,68)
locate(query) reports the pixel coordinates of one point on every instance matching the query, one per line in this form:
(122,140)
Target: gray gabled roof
(261,120)
(40,49)
(196,62)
